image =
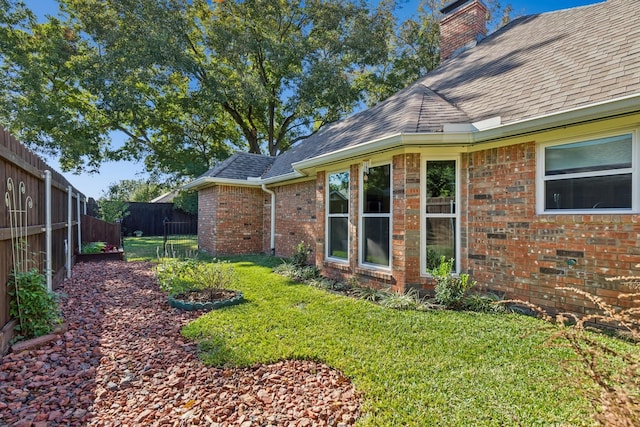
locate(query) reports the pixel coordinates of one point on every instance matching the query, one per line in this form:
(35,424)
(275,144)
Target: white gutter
(205,181)
(273,219)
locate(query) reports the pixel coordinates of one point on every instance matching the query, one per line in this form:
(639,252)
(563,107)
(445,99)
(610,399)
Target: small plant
(214,276)
(484,303)
(301,273)
(93,247)
(450,290)
(32,304)
(299,257)
(410,300)
(369,293)
(176,276)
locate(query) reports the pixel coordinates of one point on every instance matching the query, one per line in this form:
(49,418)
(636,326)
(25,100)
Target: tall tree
(189,81)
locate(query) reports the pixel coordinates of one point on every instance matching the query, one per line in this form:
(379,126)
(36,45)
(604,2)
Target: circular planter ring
(212,305)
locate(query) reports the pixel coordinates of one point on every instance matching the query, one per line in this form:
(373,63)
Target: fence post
(165,234)
(69,229)
(48,232)
(79,222)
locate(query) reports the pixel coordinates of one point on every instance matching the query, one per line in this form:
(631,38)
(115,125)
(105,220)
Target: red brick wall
(230,220)
(296,218)
(461,27)
(511,249)
(406,220)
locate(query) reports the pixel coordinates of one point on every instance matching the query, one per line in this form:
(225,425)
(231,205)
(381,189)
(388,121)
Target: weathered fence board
(23,166)
(96,230)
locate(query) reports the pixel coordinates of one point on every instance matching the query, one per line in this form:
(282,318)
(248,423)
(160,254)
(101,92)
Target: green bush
(484,303)
(177,276)
(32,304)
(93,247)
(299,257)
(450,290)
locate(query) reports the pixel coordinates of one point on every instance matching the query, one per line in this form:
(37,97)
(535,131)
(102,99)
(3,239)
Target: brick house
(519,156)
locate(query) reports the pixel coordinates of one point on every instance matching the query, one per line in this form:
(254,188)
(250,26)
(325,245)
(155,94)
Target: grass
(147,248)
(436,368)
(414,368)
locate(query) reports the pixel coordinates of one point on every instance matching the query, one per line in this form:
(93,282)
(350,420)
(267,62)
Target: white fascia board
(208,181)
(599,110)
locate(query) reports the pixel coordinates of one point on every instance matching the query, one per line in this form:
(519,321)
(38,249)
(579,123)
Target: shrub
(410,300)
(177,276)
(450,290)
(32,304)
(369,294)
(299,257)
(93,247)
(484,303)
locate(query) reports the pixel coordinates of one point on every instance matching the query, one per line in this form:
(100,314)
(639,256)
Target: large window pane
(339,237)
(377,190)
(339,193)
(441,186)
(603,192)
(376,240)
(441,240)
(338,216)
(589,156)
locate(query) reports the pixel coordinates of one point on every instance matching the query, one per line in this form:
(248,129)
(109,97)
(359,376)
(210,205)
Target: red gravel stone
(122,361)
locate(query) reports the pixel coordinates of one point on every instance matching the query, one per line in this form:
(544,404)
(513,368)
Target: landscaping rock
(122,361)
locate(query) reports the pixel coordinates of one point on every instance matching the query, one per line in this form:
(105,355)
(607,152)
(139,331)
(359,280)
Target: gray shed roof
(537,65)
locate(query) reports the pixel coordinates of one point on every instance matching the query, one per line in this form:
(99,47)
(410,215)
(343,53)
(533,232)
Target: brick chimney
(463,25)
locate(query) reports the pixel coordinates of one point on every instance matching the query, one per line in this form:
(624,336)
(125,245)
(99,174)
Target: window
(597,175)
(338,216)
(376,216)
(440,214)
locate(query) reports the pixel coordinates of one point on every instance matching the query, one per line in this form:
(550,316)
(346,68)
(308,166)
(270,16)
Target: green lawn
(147,248)
(415,368)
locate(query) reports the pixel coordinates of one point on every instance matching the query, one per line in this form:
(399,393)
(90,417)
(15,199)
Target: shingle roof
(241,166)
(536,65)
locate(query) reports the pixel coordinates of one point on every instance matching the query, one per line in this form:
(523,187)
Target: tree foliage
(134,190)
(187,82)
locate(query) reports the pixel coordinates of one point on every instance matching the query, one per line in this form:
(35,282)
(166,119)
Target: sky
(95,185)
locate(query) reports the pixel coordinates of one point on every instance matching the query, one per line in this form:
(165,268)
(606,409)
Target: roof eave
(623,105)
(209,181)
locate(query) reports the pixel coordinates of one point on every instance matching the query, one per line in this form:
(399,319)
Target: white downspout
(273,218)
(70,229)
(48,231)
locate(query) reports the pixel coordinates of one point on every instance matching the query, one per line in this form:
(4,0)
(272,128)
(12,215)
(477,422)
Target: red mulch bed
(123,361)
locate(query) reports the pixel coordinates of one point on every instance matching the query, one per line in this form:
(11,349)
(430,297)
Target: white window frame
(541,179)
(329,215)
(362,215)
(424,215)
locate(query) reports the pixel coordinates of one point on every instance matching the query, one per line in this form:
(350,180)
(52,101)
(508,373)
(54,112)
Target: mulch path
(123,362)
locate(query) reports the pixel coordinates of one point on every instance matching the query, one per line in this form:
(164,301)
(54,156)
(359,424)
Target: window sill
(337,265)
(377,274)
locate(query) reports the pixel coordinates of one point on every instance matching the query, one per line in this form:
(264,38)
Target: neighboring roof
(166,197)
(535,66)
(241,166)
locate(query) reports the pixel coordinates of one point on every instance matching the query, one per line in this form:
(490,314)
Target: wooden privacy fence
(95,230)
(49,210)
